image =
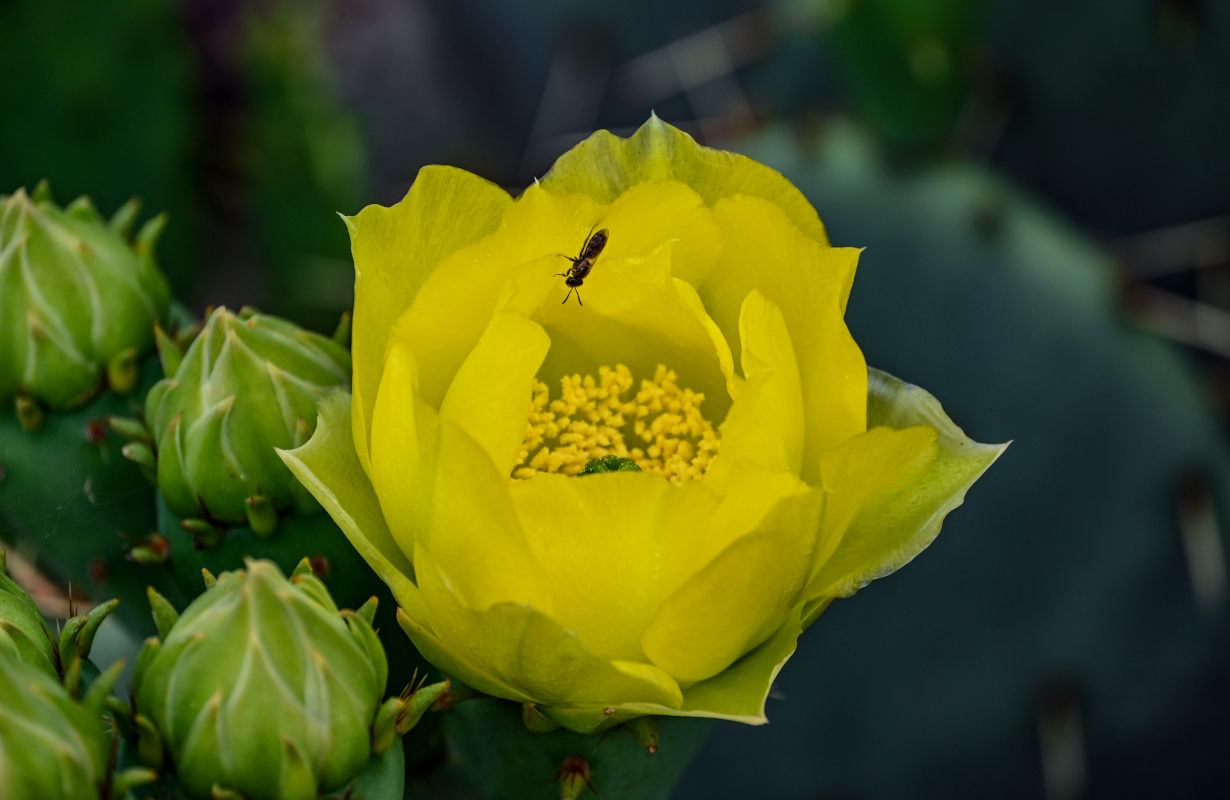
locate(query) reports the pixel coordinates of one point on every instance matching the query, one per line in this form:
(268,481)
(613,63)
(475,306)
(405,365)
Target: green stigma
(610,464)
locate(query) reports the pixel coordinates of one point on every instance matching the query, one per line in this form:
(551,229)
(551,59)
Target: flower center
(659,426)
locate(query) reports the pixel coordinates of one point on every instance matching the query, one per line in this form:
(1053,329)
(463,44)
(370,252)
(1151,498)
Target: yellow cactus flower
(706,346)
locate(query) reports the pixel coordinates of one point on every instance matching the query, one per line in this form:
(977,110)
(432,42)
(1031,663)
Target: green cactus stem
(502,757)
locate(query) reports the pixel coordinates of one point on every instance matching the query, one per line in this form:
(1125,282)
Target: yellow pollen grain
(659,425)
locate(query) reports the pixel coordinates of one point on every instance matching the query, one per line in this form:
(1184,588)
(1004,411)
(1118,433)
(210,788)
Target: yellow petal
(489,397)
(403,441)
(639,315)
(396,248)
(740,598)
(868,468)
(473,532)
(455,303)
(765,424)
(329,467)
(631,302)
(601,539)
(605,166)
(614,547)
(649,215)
(517,652)
(809,284)
(738,693)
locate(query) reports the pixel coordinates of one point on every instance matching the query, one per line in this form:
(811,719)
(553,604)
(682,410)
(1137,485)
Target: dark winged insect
(583,263)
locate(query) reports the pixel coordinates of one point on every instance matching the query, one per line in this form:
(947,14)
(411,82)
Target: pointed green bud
(645,731)
(153,550)
(51,747)
(535,720)
(100,689)
(368,610)
(298,777)
(128,779)
(125,217)
(205,534)
(303,568)
(72,677)
(384,728)
(77,301)
(574,778)
(121,713)
(262,518)
(83,209)
(262,688)
(133,430)
(30,414)
(22,627)
(149,649)
(140,454)
(42,192)
(341,334)
(314,588)
(122,370)
(240,391)
(170,353)
(149,742)
(77,636)
(165,615)
(417,703)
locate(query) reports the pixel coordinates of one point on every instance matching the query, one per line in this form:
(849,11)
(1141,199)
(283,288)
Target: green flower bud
(22,626)
(51,747)
(262,688)
(247,384)
(78,299)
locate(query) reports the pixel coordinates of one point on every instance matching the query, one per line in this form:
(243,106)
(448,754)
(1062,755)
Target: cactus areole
(78,300)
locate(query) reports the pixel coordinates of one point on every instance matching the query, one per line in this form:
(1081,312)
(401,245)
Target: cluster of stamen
(659,425)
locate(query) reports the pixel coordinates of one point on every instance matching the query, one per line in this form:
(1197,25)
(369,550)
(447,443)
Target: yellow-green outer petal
(887,534)
(329,467)
(396,248)
(605,166)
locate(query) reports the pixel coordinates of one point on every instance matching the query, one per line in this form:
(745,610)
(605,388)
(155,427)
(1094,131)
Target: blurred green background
(1043,189)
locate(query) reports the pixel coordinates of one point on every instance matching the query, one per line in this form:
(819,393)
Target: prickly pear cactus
(263,689)
(79,302)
